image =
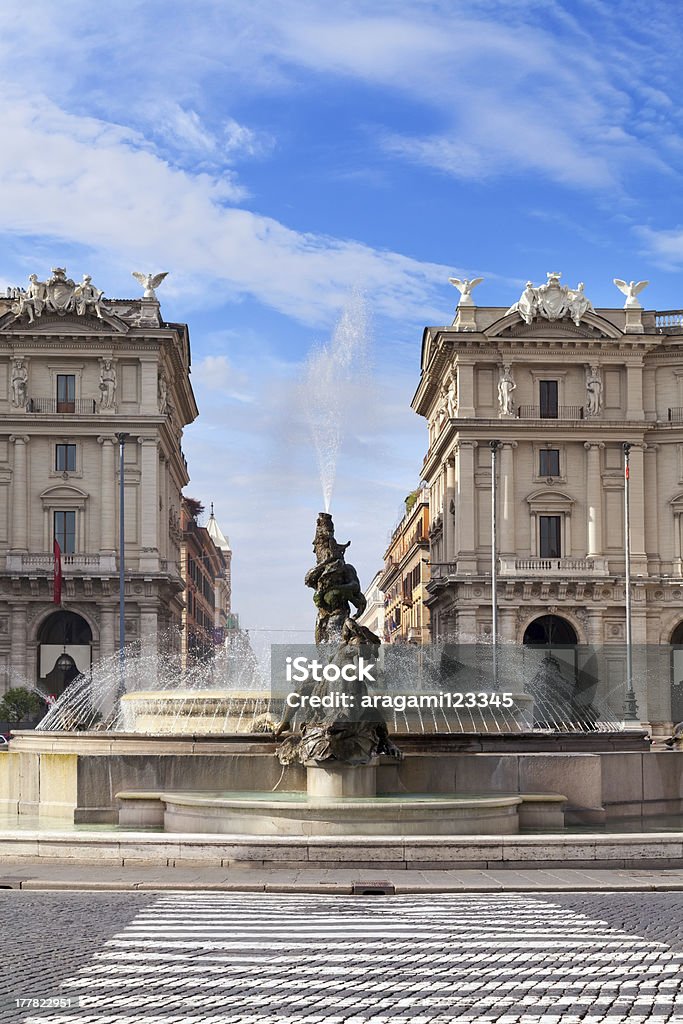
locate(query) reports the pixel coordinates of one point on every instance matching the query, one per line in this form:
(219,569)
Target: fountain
(217,751)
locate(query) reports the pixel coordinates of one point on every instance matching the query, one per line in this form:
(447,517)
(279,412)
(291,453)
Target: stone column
(149,640)
(448,517)
(637,510)
(594,498)
(467,624)
(465,372)
(464,510)
(651,507)
(508,624)
(108,623)
(507,541)
(19,493)
(149,384)
(634,391)
(149,547)
(108,496)
(18,642)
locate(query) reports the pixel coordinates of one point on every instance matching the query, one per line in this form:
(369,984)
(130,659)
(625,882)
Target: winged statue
(465,288)
(631,290)
(149,282)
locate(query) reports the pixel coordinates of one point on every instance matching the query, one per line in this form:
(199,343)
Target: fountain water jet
(330,387)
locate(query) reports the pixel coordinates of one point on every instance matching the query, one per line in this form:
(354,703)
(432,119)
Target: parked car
(4,742)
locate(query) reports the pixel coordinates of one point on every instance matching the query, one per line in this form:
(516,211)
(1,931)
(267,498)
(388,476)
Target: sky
(293,163)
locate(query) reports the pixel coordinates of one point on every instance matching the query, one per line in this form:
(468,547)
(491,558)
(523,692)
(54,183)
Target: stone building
(562,387)
(406,574)
(205,566)
(77,369)
(373,616)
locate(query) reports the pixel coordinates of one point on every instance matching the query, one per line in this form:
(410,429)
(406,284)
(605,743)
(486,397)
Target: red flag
(57,586)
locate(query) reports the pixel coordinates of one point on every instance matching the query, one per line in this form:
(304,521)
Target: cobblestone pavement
(222,958)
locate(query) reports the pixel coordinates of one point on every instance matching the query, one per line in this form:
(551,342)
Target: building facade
(406,574)
(205,558)
(562,387)
(76,371)
(373,616)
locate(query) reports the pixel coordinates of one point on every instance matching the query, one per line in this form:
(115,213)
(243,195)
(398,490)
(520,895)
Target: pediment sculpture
(59,294)
(553,301)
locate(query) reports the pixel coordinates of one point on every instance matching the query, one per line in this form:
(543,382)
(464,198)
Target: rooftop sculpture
(631,290)
(553,301)
(465,288)
(149,282)
(59,294)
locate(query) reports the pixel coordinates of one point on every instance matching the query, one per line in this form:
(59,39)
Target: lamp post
(494,446)
(630,704)
(122,438)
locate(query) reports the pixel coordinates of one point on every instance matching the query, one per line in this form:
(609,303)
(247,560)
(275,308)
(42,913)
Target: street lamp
(630,704)
(494,446)
(122,438)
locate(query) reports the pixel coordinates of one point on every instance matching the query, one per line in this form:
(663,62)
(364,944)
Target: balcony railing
(669,320)
(78,407)
(676,415)
(553,566)
(45,560)
(564,412)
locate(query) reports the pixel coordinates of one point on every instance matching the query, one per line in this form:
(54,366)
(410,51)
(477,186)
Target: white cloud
(82,180)
(217,373)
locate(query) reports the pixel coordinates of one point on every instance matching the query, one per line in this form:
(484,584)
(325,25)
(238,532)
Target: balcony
(564,412)
(76,407)
(43,561)
(669,321)
(554,567)
(675,415)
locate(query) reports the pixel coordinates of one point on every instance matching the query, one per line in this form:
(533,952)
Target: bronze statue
(354,734)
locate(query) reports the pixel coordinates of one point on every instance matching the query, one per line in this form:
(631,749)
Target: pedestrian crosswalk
(220,958)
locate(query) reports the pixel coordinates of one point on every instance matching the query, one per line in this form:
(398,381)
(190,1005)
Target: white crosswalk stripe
(220,958)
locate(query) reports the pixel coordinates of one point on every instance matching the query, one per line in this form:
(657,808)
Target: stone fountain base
(340,801)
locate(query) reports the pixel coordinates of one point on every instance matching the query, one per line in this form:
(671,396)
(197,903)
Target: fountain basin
(293,814)
(168,712)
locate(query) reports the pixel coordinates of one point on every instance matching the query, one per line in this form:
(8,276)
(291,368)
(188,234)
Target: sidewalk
(60,874)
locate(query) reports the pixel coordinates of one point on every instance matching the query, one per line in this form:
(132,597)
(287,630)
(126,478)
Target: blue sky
(273,157)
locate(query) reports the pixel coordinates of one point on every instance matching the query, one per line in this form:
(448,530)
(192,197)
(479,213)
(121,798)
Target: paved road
(221,958)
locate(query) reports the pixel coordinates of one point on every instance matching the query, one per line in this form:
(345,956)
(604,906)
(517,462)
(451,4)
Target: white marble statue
(527,303)
(19,384)
(631,290)
(578,303)
(107,384)
(593,391)
(451,398)
(552,300)
(465,288)
(162,392)
(87,297)
(57,295)
(149,282)
(506,386)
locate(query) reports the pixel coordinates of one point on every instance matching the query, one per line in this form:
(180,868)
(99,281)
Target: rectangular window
(66,392)
(548,397)
(65,458)
(550,536)
(549,462)
(65,531)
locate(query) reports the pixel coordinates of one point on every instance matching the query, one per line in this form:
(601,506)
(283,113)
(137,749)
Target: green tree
(18,704)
